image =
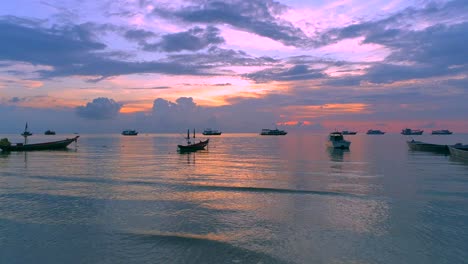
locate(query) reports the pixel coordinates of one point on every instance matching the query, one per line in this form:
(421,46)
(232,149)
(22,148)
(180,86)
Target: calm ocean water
(247,199)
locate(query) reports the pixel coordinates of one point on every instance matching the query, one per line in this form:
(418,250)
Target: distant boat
(26,133)
(374,132)
(459,151)
(211,132)
(273,132)
(423,146)
(129,132)
(49,132)
(5,145)
(442,132)
(408,131)
(336,140)
(346,132)
(193,146)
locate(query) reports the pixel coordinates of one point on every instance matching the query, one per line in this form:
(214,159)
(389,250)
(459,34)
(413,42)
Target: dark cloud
(99,109)
(15,100)
(255,16)
(72,51)
(192,40)
(437,50)
(138,35)
(215,57)
(295,73)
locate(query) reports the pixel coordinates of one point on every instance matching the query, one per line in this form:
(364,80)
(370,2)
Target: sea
(246,199)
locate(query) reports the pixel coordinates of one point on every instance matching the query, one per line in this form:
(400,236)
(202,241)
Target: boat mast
(26,134)
(194,133)
(188,136)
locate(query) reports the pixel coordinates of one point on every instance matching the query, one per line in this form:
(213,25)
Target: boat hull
(375,132)
(211,133)
(442,133)
(194,147)
(422,146)
(62,144)
(459,153)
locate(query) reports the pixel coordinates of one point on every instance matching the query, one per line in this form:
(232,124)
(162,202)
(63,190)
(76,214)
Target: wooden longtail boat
(61,144)
(193,146)
(423,146)
(459,153)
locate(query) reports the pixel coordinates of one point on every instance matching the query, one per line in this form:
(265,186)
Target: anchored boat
(442,132)
(273,132)
(423,146)
(336,140)
(193,146)
(211,132)
(459,151)
(129,132)
(409,131)
(5,145)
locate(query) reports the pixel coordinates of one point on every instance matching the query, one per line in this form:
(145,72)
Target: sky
(239,66)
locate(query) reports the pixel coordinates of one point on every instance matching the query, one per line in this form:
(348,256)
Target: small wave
(196,248)
(274,190)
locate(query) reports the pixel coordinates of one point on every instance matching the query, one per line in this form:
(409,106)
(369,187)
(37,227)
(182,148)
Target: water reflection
(249,197)
(337,154)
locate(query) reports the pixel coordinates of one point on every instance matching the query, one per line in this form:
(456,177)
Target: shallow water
(247,199)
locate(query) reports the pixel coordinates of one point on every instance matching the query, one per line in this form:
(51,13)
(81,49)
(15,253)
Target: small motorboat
(336,140)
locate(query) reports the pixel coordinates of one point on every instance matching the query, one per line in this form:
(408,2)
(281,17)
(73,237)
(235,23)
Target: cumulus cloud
(99,109)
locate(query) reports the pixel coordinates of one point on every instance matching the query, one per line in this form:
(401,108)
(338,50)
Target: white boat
(459,152)
(273,132)
(336,140)
(211,132)
(374,132)
(409,131)
(442,132)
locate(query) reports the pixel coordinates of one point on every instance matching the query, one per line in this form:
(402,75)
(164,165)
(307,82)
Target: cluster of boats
(335,140)
(405,131)
(409,132)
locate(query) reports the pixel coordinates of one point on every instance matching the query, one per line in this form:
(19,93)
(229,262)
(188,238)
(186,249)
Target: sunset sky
(239,66)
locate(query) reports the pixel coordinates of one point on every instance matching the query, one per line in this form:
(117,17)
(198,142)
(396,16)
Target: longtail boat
(423,146)
(5,145)
(193,146)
